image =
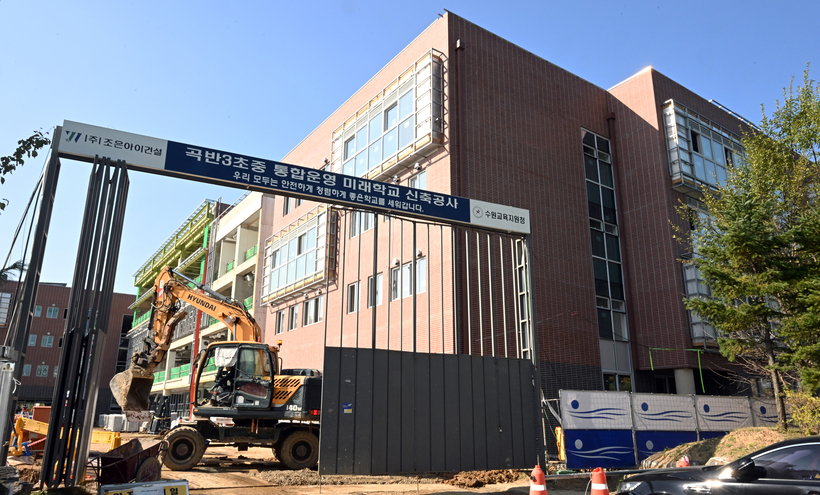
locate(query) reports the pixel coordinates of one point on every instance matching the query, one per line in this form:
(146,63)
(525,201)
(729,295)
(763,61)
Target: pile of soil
(311,477)
(725,449)
(476,479)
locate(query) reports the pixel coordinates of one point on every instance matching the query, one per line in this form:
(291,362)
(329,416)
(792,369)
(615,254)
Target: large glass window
(699,150)
(407,110)
(47,341)
(360,222)
(52,312)
(606,252)
(297,255)
(42,370)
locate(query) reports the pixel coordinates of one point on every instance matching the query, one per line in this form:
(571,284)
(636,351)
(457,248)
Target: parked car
(784,468)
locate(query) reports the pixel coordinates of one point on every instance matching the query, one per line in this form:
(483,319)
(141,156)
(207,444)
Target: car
(783,468)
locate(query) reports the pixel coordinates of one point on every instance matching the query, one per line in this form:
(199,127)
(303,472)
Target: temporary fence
(620,429)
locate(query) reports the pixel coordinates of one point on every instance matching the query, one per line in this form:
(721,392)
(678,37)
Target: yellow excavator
(237,381)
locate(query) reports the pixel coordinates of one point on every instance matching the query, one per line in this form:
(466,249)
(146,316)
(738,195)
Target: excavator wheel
(277,451)
(185,448)
(299,450)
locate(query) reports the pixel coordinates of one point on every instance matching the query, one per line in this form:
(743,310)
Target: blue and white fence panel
(597,429)
(662,421)
(620,429)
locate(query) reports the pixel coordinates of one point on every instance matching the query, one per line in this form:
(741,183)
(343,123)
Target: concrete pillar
(685,381)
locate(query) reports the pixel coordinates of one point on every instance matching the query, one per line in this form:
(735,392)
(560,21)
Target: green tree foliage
(7,272)
(759,248)
(25,148)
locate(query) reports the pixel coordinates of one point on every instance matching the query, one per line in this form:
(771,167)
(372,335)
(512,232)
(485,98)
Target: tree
(25,148)
(5,273)
(758,248)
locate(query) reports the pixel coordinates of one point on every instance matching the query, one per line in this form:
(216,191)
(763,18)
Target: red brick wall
(40,388)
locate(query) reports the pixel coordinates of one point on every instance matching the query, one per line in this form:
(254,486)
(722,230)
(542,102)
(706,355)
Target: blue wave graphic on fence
(768,418)
(727,417)
(602,413)
(602,453)
(677,416)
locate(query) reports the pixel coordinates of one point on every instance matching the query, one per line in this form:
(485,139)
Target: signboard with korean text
(83,142)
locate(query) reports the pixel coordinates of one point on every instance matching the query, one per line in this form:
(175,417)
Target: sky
(256,77)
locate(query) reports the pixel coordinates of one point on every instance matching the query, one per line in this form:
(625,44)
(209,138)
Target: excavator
(236,381)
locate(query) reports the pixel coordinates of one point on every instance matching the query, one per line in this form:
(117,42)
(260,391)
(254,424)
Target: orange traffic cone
(683,462)
(599,486)
(538,483)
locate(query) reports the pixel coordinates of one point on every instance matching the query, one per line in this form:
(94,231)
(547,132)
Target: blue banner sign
(83,142)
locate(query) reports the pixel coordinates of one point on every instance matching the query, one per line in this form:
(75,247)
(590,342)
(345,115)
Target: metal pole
(535,356)
(375,281)
(24,309)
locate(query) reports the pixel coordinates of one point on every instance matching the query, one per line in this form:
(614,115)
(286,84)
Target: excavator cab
(236,376)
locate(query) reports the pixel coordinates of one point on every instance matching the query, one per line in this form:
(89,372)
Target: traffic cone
(683,462)
(538,485)
(599,486)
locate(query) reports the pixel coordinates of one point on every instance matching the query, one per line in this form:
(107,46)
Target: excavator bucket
(131,390)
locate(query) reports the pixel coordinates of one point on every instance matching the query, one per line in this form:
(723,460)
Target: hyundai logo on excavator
(201,302)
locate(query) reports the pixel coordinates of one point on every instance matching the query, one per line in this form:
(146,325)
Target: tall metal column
(76,387)
(17,338)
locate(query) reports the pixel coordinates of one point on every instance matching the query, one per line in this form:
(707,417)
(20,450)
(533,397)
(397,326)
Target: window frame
(293,317)
(379,291)
(47,338)
(280,322)
(56,312)
(26,370)
(353,301)
(38,370)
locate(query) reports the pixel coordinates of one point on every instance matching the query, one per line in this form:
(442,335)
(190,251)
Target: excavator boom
(132,387)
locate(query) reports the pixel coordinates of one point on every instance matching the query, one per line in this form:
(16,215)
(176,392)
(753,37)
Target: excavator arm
(132,387)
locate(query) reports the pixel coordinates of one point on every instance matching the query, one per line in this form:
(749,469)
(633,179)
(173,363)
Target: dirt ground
(225,471)
(724,449)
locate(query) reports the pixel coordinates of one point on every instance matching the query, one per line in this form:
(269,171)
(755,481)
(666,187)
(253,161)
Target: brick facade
(512,128)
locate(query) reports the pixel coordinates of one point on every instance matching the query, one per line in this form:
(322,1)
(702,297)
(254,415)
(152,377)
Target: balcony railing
(159,376)
(251,252)
(230,266)
(248,302)
(138,321)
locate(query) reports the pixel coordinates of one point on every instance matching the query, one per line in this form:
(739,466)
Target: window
(353,297)
(56,370)
(296,255)
(5,307)
(374,292)
(293,317)
(26,370)
(799,462)
(312,311)
(606,249)
(617,383)
(280,321)
(360,222)
(698,149)
(350,148)
(397,118)
(286,206)
(42,370)
(401,282)
(38,310)
(52,312)
(32,340)
(419,181)
(47,341)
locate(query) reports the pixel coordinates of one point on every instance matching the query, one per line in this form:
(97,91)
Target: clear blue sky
(255,77)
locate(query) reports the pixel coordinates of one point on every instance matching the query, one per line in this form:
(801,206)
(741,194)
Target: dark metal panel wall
(401,412)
